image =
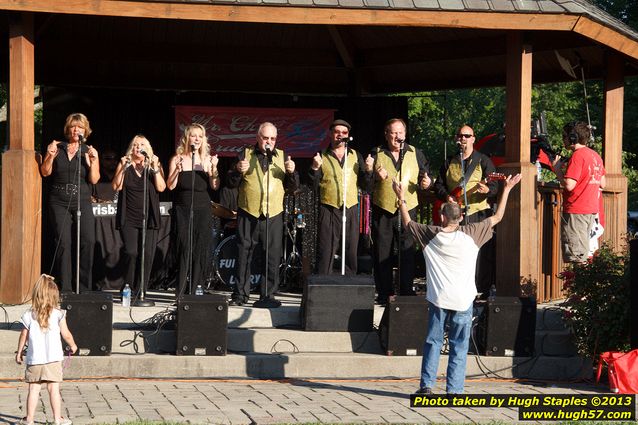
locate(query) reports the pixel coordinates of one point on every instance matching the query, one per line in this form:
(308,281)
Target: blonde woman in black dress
(193,144)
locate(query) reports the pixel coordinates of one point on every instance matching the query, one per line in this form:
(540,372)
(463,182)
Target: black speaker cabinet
(507,327)
(90,320)
(202,321)
(338,303)
(404,326)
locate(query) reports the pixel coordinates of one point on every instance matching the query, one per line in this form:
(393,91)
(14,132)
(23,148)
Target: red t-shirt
(586,167)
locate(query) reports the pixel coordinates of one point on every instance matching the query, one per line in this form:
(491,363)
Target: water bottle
(539,170)
(199,290)
(300,221)
(492,295)
(126,296)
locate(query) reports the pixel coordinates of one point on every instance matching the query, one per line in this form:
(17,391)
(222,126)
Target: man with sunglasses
(473,168)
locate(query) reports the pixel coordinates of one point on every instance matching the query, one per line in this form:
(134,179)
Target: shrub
(597,307)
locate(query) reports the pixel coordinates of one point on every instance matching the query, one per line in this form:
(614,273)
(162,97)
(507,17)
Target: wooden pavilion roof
(327,47)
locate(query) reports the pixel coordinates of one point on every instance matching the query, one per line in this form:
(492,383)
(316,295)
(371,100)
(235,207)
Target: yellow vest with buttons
(252,189)
(331,184)
(475,201)
(384,196)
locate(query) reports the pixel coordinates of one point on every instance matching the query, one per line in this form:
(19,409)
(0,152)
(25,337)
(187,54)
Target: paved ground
(260,402)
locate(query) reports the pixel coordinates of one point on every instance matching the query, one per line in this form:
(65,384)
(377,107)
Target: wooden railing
(549,199)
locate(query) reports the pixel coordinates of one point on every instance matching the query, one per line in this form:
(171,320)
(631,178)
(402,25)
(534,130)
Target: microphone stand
(399,227)
(264,289)
(190,225)
(463,181)
(141,301)
(343,217)
(78,215)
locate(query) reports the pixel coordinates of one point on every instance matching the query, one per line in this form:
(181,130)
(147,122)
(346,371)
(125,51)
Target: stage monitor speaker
(508,327)
(404,326)
(338,303)
(90,320)
(202,322)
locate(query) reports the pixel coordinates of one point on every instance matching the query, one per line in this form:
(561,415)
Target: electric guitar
(457,195)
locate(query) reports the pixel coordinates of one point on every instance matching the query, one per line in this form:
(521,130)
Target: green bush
(598,302)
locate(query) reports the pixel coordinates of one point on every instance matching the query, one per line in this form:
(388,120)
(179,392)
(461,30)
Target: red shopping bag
(622,369)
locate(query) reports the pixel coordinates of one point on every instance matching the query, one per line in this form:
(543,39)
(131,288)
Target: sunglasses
(465,136)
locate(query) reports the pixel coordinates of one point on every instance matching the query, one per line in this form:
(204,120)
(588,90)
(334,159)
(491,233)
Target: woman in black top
(129,182)
(183,182)
(60,167)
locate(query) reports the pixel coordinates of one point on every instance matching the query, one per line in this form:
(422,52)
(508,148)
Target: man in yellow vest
(327,174)
(407,164)
(448,188)
(262,174)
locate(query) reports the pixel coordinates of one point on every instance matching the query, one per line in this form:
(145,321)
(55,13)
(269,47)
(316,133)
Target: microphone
(81,138)
(143,152)
(193,148)
(346,139)
(268,149)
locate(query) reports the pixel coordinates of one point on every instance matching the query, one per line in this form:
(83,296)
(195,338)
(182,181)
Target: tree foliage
(435,116)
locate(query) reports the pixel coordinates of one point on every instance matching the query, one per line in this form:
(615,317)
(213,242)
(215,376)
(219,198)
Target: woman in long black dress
(186,177)
(129,182)
(60,168)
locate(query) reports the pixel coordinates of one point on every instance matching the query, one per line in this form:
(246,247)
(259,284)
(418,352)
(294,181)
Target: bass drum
(225,264)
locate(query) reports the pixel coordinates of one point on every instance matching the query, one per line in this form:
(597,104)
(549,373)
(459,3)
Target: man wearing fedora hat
(327,174)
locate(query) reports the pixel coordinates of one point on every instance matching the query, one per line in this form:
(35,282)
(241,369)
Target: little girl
(43,324)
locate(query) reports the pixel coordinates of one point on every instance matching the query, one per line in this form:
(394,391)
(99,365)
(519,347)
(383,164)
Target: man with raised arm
(450,252)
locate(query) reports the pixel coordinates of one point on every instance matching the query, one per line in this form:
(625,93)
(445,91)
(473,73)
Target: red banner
(300,132)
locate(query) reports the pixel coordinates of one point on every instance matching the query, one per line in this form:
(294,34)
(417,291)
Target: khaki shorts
(49,372)
(575,237)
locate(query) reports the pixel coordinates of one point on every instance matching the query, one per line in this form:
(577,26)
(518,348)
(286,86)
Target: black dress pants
(385,236)
(64,224)
(329,238)
(132,241)
(251,231)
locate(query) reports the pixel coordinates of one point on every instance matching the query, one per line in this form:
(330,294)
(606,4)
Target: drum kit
(223,273)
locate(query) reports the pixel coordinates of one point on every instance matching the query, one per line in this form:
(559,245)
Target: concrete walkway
(260,401)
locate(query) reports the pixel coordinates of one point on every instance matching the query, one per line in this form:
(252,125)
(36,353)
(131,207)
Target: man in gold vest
(408,165)
(448,188)
(262,174)
(327,174)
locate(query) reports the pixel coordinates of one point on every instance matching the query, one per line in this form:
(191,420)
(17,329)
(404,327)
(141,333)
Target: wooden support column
(615,193)
(517,234)
(21,182)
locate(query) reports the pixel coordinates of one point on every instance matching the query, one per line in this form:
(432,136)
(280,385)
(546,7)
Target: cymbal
(222,212)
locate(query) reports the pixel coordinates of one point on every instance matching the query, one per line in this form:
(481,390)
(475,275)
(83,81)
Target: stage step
(267,341)
(270,343)
(302,365)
